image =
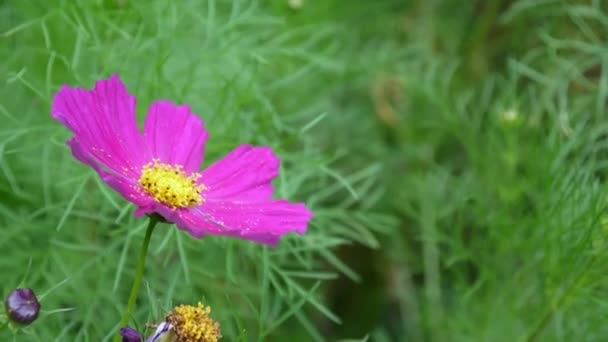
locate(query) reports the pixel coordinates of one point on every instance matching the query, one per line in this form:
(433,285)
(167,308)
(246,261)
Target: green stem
(559,303)
(563,299)
(126,317)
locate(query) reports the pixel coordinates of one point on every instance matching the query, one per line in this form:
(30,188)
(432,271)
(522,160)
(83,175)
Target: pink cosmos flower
(158,170)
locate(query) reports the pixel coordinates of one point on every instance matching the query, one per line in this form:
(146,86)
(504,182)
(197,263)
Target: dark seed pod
(22,306)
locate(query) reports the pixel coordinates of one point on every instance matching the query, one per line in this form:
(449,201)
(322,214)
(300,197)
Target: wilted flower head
(22,306)
(130,335)
(187,323)
(193,324)
(159,170)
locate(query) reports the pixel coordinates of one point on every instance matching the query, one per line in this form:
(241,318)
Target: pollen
(170,185)
(193,324)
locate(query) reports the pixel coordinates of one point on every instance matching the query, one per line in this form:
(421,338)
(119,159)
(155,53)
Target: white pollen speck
(510,115)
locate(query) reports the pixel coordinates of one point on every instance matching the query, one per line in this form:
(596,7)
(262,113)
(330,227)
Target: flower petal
(106,136)
(121,183)
(175,135)
(244,175)
(162,331)
(104,124)
(264,222)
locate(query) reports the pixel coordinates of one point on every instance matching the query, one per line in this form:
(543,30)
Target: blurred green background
(455,154)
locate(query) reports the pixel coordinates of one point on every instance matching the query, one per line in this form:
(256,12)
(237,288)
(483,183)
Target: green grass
(454,154)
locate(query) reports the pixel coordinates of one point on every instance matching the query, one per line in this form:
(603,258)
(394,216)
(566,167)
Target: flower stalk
(126,317)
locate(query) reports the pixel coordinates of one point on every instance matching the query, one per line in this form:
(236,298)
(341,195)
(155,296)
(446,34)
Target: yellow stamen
(193,324)
(170,185)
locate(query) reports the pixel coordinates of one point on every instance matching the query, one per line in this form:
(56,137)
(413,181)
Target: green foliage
(454,154)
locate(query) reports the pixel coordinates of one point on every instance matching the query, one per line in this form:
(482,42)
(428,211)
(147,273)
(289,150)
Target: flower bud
(129,335)
(22,306)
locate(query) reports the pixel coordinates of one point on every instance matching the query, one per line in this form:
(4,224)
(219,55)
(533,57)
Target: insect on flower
(159,170)
(187,323)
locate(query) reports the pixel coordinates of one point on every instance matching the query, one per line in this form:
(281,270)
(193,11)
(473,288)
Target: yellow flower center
(170,185)
(193,324)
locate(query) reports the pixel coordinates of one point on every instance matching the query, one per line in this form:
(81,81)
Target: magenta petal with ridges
(244,175)
(106,136)
(263,222)
(122,184)
(104,124)
(174,135)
